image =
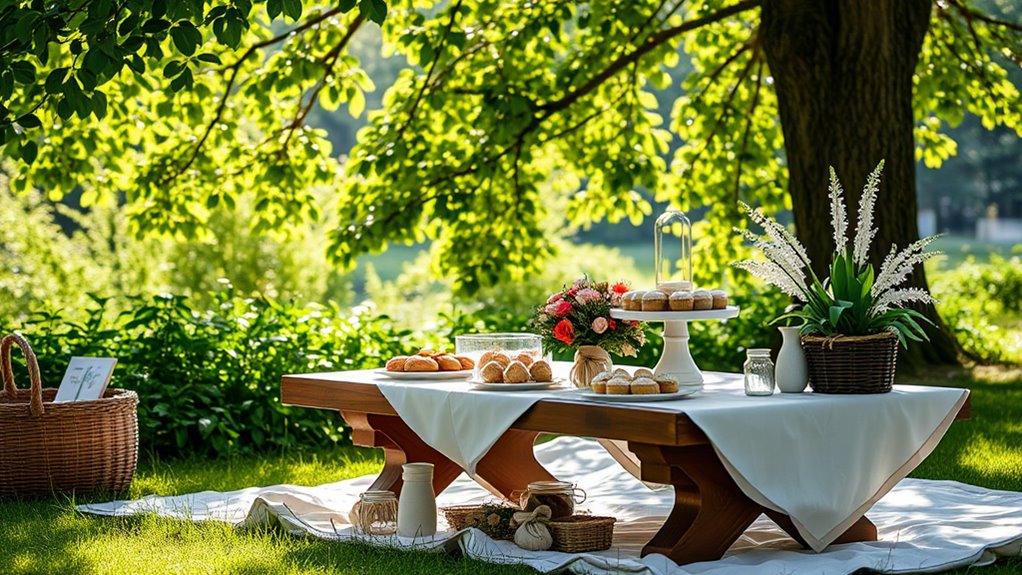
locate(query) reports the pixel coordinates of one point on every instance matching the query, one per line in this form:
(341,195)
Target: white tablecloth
(821,459)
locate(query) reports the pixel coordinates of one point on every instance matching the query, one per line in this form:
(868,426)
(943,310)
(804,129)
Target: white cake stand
(676,360)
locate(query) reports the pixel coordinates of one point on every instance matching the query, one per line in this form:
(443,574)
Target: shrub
(209,381)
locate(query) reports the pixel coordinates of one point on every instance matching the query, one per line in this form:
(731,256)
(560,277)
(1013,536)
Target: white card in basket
(86,379)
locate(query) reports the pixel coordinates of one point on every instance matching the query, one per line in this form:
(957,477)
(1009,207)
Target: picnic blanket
(924,526)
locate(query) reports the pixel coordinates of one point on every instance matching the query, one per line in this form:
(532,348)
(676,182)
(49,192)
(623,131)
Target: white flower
(898,298)
(898,265)
(838,215)
(864,230)
(777,233)
(774,275)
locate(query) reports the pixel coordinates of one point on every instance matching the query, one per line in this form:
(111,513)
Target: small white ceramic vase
(791,373)
(416,509)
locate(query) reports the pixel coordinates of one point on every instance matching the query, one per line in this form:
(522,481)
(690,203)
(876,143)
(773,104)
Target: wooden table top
(356,391)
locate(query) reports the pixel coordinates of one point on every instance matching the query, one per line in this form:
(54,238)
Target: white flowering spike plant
(854,300)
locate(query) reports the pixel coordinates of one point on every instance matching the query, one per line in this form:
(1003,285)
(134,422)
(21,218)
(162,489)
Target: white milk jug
(416,509)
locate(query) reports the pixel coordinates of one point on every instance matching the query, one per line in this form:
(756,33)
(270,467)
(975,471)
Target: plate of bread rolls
(428,365)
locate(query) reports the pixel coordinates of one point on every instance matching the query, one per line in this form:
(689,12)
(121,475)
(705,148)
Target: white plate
(426,375)
(515,386)
(638,398)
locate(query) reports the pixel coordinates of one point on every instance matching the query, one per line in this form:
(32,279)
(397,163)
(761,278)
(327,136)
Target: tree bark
(842,71)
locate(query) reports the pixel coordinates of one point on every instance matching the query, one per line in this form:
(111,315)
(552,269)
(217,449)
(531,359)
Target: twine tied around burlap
(533,532)
(589,361)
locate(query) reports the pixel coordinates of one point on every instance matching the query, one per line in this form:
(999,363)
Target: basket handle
(36,400)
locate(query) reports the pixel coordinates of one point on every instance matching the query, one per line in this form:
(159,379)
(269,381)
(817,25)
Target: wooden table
(710,511)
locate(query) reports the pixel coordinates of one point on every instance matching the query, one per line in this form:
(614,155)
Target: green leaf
(292,8)
(24,71)
(835,314)
(273,8)
(375,10)
(29,151)
(211,58)
(55,81)
(186,37)
(29,121)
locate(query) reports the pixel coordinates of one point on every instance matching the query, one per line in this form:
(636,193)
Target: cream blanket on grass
(924,526)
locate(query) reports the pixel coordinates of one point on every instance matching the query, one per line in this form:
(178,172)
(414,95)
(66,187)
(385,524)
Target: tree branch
(653,42)
(232,70)
(329,61)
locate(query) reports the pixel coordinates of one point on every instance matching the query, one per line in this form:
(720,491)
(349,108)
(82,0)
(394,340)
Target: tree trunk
(843,71)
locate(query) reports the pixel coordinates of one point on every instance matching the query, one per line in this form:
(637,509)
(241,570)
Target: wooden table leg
(400,445)
(710,511)
(509,466)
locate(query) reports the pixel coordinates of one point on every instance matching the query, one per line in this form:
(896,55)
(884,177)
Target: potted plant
(854,319)
(577,318)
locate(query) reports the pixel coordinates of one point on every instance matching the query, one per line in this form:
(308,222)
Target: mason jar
(375,513)
(759,372)
(559,496)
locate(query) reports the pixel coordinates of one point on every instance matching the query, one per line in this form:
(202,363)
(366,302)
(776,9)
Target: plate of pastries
(642,385)
(680,300)
(428,364)
(501,371)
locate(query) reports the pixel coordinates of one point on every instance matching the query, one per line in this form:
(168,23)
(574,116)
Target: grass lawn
(50,537)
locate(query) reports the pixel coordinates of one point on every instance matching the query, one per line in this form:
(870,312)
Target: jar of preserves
(559,496)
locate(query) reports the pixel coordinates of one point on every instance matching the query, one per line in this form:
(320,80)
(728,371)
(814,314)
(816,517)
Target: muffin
(466,362)
(701,299)
(667,384)
(644,386)
(618,386)
(448,362)
(719,298)
(681,301)
(654,300)
(541,371)
(397,363)
(516,372)
(632,301)
(622,373)
(603,377)
(642,372)
(492,372)
(598,386)
(421,363)
(524,358)
(486,358)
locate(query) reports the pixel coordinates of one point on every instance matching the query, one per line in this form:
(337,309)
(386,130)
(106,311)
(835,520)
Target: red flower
(620,288)
(565,332)
(613,325)
(563,309)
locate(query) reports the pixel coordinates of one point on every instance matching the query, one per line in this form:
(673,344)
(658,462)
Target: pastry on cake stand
(676,359)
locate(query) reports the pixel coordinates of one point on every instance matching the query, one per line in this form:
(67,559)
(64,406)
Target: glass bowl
(474,345)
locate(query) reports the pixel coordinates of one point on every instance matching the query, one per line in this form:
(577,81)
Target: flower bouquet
(853,320)
(577,318)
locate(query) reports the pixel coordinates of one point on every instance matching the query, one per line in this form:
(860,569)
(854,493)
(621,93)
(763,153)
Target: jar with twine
(590,360)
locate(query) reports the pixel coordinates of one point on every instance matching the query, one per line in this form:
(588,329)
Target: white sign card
(86,379)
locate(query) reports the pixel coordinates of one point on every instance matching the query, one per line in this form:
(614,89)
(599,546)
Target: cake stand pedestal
(676,359)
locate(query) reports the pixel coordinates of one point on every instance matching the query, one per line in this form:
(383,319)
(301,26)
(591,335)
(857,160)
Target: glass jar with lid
(759,372)
(673,245)
(375,513)
(559,496)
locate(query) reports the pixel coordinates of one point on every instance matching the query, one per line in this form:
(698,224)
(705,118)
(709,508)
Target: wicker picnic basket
(46,447)
(851,364)
(581,533)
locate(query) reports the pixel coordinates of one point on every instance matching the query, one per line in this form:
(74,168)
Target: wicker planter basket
(580,533)
(852,364)
(45,447)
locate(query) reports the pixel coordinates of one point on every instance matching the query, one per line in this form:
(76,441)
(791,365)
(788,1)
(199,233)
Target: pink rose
(555,298)
(563,309)
(587,295)
(600,324)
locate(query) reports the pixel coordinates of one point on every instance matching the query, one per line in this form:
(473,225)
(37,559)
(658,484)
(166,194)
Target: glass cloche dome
(673,252)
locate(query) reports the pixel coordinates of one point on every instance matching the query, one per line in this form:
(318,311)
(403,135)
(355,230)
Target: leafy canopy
(513,119)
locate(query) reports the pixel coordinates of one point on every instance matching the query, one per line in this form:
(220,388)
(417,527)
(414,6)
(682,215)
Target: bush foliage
(209,380)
